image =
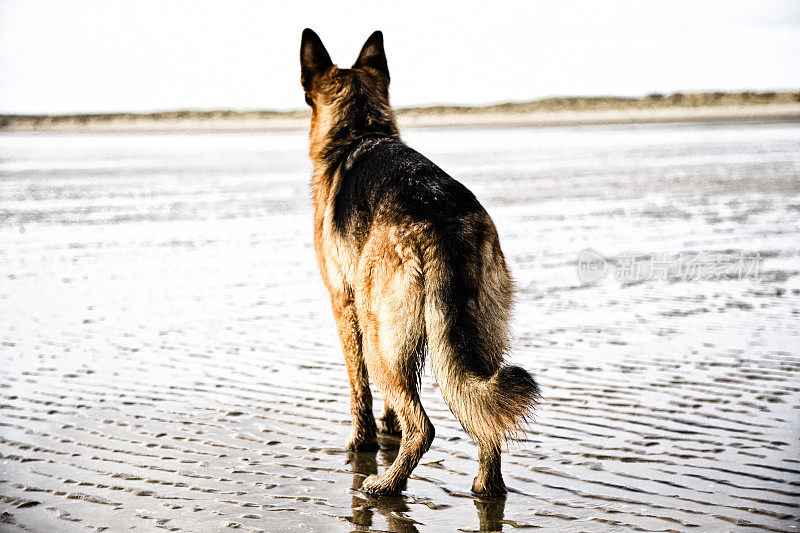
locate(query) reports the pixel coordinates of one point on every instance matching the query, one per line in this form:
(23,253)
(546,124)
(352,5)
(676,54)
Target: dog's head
(354,100)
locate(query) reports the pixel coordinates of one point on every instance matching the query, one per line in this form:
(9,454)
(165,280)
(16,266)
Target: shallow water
(168,358)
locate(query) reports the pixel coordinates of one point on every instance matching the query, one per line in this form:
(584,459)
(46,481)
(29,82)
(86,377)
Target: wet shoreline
(169,360)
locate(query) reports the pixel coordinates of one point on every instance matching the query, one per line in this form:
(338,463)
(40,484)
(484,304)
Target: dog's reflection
(491,512)
(395,508)
(364,464)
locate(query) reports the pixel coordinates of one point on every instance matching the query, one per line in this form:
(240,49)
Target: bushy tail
(466,343)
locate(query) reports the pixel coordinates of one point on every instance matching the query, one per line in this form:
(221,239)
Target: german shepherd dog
(413,265)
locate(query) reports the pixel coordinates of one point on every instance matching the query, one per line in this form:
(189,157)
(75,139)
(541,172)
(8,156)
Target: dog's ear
(373,56)
(314,59)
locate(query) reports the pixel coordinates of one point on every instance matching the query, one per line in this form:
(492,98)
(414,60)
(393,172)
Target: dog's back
(413,259)
(382,180)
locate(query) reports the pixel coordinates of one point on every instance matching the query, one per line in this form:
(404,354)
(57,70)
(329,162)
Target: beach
(168,358)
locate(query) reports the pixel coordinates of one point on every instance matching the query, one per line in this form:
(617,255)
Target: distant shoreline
(776,106)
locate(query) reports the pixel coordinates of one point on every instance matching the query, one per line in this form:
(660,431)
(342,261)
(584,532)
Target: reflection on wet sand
(490,513)
(364,464)
(395,509)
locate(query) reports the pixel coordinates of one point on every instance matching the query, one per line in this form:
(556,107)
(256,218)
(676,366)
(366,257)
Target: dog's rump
(467,289)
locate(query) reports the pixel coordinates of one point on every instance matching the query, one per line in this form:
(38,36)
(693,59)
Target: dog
(414,268)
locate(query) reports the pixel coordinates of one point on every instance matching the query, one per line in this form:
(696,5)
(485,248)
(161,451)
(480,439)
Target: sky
(140,55)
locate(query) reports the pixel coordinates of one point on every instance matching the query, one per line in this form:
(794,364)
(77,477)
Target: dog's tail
(466,323)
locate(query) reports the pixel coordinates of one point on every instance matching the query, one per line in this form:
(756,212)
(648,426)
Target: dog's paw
(482,487)
(378,486)
(358,443)
(388,425)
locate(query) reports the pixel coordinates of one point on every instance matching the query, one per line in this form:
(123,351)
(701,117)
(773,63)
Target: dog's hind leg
(388,422)
(416,427)
(363,437)
(489,481)
(390,311)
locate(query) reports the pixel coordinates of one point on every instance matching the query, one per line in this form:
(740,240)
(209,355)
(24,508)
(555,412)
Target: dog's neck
(333,138)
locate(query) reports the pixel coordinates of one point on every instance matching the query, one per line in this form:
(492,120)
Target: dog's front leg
(364,429)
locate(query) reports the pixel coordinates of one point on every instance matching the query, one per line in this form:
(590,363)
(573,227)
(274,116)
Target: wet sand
(168,358)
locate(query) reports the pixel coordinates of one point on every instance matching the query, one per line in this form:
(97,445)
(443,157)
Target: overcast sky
(139,55)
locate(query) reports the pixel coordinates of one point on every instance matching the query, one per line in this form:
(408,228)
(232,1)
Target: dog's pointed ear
(373,56)
(314,59)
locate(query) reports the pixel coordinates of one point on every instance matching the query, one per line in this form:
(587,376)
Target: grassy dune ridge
(571,106)
(597,103)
